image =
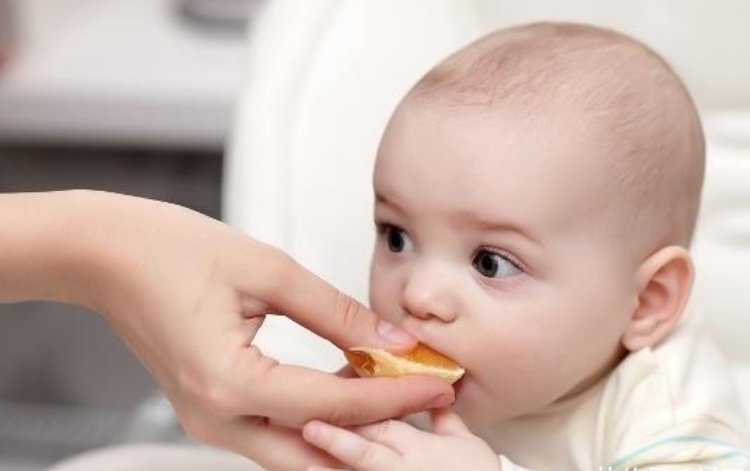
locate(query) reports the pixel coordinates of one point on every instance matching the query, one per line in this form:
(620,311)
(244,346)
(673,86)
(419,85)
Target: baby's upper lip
(422,337)
(413,330)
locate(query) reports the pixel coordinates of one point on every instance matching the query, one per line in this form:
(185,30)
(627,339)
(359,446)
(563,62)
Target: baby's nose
(429,293)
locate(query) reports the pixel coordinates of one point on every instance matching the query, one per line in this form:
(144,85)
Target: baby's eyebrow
(477,220)
(487,224)
(381,199)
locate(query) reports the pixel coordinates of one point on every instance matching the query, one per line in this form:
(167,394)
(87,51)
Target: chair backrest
(722,241)
(323,79)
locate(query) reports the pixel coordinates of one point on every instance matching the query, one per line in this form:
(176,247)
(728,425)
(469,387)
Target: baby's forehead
(491,163)
(556,135)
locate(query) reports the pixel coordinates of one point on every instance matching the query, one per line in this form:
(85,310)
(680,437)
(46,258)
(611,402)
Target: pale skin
(188,294)
(501,257)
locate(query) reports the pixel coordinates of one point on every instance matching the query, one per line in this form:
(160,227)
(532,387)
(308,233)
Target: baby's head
(536,193)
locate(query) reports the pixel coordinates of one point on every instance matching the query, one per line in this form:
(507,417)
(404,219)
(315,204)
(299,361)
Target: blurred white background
(142,96)
(106,71)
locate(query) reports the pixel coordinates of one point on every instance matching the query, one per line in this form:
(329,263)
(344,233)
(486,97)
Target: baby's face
(492,249)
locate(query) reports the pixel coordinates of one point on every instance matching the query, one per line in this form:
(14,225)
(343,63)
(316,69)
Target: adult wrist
(53,246)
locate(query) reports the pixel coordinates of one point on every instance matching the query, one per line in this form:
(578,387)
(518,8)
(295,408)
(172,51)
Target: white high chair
(323,79)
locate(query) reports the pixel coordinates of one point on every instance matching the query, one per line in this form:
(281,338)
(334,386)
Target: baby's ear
(664,283)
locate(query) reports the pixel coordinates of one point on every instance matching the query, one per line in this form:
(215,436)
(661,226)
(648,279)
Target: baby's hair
(624,91)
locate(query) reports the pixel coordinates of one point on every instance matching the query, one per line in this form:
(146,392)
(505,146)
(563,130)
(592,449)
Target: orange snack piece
(374,362)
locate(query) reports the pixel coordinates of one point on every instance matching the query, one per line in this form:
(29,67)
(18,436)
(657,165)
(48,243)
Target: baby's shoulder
(684,376)
(681,390)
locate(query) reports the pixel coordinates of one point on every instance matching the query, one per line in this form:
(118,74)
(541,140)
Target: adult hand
(188,294)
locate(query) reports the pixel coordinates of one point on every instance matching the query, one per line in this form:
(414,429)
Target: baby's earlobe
(665,281)
(640,334)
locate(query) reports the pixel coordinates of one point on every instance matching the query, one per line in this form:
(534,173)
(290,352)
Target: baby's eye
(397,239)
(494,265)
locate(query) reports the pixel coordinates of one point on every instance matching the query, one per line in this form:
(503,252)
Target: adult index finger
(307,299)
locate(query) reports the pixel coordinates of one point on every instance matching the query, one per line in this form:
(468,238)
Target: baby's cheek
(506,388)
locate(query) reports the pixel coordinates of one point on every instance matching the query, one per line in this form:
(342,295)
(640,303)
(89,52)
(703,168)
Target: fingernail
(442,400)
(392,334)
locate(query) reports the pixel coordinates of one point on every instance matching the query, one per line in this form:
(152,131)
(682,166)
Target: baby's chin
(472,406)
(481,411)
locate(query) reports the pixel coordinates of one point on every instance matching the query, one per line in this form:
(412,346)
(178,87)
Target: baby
(536,195)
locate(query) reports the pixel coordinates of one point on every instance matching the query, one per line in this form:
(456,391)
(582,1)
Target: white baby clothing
(670,407)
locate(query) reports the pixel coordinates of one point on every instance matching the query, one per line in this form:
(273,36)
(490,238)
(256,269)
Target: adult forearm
(49,246)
